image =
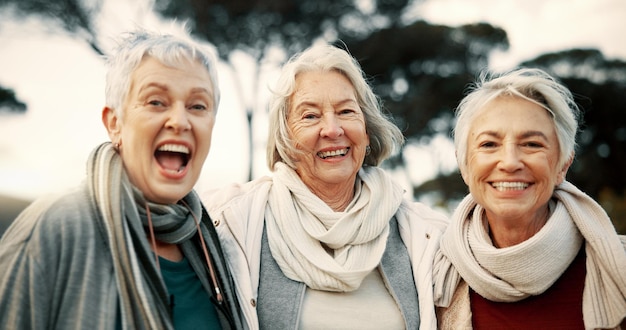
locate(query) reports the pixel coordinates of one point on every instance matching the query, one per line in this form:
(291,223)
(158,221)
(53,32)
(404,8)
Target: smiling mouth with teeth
(172,157)
(503,186)
(334,153)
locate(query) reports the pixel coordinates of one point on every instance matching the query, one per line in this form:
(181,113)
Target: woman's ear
(112,124)
(563,172)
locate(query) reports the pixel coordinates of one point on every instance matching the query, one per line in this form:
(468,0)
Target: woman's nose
(510,158)
(331,126)
(178,118)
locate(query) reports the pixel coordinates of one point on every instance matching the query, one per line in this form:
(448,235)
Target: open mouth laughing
(173,157)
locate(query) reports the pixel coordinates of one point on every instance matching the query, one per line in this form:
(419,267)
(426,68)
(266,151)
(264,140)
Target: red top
(559,307)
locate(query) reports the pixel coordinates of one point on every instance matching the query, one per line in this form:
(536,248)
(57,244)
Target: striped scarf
(298,221)
(142,294)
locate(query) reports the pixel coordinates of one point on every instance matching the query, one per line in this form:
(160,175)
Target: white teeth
(174,148)
(502,186)
(326,154)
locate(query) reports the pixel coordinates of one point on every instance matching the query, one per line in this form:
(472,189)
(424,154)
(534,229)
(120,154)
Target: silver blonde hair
(170,50)
(534,85)
(385,137)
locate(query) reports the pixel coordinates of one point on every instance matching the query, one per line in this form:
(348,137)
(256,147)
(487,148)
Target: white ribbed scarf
(529,268)
(298,222)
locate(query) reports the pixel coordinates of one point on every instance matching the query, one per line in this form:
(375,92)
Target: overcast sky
(62,81)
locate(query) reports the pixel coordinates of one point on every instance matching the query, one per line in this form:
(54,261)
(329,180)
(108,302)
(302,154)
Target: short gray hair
(170,50)
(534,85)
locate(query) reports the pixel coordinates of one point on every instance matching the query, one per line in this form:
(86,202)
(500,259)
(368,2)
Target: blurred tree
(76,17)
(424,76)
(419,70)
(9,103)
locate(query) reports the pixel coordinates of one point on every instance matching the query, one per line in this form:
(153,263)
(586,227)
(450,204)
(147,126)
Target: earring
(368,150)
(116,146)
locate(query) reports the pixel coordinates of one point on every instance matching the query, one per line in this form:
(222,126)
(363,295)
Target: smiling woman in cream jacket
(329,233)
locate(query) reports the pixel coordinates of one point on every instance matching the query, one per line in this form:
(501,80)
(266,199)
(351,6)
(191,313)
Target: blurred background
(420,56)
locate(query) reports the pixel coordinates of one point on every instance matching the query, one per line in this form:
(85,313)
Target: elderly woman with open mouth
(526,249)
(328,241)
(132,247)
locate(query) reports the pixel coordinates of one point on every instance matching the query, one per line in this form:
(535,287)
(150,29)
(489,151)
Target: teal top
(191,305)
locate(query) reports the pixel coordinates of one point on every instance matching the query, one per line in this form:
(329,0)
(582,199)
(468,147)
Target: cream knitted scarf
(298,222)
(530,268)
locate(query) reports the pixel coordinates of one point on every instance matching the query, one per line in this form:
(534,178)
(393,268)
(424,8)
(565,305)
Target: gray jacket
(280,298)
(56,269)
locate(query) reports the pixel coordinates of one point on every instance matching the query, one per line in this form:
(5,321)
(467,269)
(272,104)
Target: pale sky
(62,81)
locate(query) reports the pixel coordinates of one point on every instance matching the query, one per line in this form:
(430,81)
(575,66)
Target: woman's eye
(155,103)
(533,144)
(487,144)
(198,107)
